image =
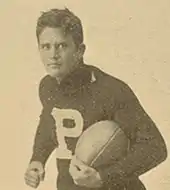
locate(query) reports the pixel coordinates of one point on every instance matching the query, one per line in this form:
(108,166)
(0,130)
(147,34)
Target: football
(102,143)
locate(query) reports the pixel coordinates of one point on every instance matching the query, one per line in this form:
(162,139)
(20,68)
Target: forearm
(141,158)
(44,142)
(147,148)
(41,154)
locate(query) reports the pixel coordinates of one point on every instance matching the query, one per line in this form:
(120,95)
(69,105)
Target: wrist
(100,181)
(37,167)
(36,163)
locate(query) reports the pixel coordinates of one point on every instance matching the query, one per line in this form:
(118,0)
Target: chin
(55,75)
(53,72)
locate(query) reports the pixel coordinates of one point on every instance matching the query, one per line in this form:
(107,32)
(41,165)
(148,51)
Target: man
(74,96)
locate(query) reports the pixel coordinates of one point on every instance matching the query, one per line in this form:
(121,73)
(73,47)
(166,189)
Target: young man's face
(58,52)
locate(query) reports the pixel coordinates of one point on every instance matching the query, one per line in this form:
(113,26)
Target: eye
(45,46)
(62,46)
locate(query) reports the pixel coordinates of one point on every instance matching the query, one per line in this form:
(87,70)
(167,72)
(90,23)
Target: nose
(54,53)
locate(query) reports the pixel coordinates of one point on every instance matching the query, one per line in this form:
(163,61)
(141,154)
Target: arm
(44,141)
(147,145)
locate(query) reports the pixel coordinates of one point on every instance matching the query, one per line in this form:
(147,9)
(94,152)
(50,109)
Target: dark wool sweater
(86,96)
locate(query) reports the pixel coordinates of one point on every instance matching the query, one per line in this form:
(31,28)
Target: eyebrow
(44,43)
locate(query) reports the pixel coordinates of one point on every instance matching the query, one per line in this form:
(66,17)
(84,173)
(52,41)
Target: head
(60,41)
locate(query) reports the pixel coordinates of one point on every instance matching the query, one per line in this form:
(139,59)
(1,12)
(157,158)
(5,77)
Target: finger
(32,184)
(77,173)
(39,172)
(79,183)
(28,180)
(82,166)
(54,112)
(42,176)
(31,180)
(74,171)
(75,182)
(31,177)
(76,161)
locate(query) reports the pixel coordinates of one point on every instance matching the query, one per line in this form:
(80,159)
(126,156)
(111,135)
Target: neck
(61,78)
(58,79)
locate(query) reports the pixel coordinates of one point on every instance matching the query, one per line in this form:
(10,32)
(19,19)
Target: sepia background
(128,39)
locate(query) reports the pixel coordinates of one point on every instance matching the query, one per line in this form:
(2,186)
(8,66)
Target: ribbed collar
(76,79)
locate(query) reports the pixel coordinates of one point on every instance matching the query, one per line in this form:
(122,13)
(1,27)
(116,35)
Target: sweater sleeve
(147,149)
(45,139)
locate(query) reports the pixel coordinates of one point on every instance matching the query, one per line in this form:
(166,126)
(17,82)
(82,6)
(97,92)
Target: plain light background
(128,39)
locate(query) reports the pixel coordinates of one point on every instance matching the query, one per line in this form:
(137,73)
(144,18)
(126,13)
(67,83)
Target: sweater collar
(76,79)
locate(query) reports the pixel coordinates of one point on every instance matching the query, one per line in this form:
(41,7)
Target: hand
(84,175)
(34,174)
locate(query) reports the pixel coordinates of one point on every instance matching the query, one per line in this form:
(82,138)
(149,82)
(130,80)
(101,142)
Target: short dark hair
(61,18)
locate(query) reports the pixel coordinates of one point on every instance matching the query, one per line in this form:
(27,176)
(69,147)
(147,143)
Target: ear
(38,45)
(80,51)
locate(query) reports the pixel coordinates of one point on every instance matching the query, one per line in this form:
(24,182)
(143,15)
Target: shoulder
(108,80)
(46,87)
(112,85)
(45,81)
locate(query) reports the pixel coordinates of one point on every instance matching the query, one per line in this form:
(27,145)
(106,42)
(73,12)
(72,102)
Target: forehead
(57,35)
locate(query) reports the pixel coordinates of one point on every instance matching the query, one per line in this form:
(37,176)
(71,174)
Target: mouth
(54,65)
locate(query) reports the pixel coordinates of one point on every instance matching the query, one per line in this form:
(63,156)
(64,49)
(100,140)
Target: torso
(77,109)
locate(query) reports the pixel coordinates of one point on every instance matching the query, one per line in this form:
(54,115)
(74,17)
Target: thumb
(38,168)
(41,173)
(80,164)
(42,176)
